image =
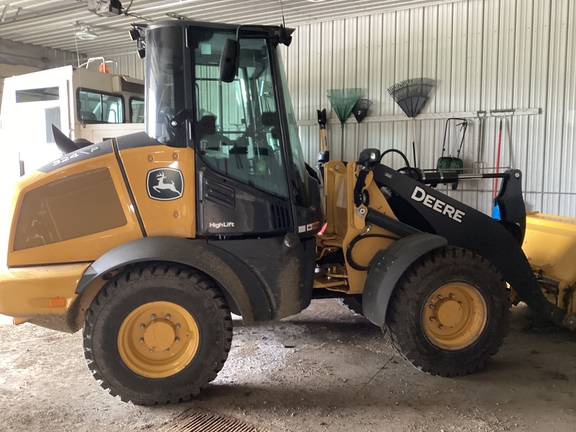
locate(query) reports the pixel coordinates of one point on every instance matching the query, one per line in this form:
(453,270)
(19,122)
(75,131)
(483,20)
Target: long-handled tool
(343,101)
(324,154)
(495,208)
(450,162)
(479,165)
(322,124)
(411,95)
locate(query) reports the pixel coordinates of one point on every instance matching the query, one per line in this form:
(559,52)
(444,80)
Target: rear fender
(248,297)
(387,268)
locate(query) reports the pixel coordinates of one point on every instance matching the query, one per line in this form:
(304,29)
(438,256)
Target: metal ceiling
(53,23)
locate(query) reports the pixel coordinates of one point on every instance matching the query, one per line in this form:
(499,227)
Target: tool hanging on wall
(324,154)
(360,111)
(322,124)
(411,95)
(479,165)
(450,162)
(343,101)
(495,208)
(502,115)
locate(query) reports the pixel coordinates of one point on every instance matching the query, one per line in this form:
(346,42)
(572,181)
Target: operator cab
(251,176)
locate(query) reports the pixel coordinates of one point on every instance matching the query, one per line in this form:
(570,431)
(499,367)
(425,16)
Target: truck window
(35,144)
(99,107)
(38,95)
(136,110)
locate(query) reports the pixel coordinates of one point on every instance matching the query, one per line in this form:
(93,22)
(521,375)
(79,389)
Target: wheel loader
(148,242)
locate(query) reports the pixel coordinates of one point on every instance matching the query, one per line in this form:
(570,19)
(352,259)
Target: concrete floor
(326,369)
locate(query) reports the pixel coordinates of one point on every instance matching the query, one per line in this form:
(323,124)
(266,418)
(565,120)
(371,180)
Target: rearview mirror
(229,60)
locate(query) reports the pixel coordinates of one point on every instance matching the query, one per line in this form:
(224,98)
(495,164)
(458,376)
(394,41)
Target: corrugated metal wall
(485,55)
(126,64)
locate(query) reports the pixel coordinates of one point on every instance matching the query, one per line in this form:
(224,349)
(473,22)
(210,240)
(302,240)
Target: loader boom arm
(428,210)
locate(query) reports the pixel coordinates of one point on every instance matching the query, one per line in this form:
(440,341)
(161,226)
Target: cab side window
(237,124)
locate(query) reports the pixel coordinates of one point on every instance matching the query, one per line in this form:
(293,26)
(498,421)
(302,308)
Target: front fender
(193,253)
(387,268)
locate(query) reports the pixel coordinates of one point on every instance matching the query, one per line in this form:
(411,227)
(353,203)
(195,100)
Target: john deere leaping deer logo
(165,184)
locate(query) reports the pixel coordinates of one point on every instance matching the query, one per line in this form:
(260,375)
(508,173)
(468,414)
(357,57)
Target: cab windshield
(165,92)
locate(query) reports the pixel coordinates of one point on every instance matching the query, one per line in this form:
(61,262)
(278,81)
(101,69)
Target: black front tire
(449,313)
(149,359)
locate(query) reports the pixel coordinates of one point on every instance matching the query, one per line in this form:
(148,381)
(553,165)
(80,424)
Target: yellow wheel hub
(454,316)
(158,339)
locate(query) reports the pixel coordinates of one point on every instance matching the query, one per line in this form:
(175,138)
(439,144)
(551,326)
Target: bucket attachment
(550,246)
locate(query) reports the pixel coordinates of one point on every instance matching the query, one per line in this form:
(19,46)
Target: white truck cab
(82,103)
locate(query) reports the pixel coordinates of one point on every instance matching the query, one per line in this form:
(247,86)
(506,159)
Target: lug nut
(168,316)
(153,316)
(431,306)
(151,350)
(177,340)
(167,349)
(432,319)
(177,326)
(440,326)
(141,340)
(440,296)
(460,303)
(452,296)
(142,326)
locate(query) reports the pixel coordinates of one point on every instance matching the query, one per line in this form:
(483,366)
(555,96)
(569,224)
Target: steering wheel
(411,172)
(215,140)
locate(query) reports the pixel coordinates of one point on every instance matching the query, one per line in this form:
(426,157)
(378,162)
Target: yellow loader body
(70,212)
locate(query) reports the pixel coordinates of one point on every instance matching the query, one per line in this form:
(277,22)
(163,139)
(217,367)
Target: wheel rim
(454,316)
(158,339)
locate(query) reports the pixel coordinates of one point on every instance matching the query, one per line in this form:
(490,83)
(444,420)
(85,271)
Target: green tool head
(343,100)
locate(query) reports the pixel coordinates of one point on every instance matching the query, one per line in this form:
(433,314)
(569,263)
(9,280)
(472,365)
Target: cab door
(241,165)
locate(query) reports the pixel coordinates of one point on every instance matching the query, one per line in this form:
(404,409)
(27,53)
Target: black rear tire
(449,313)
(157,333)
